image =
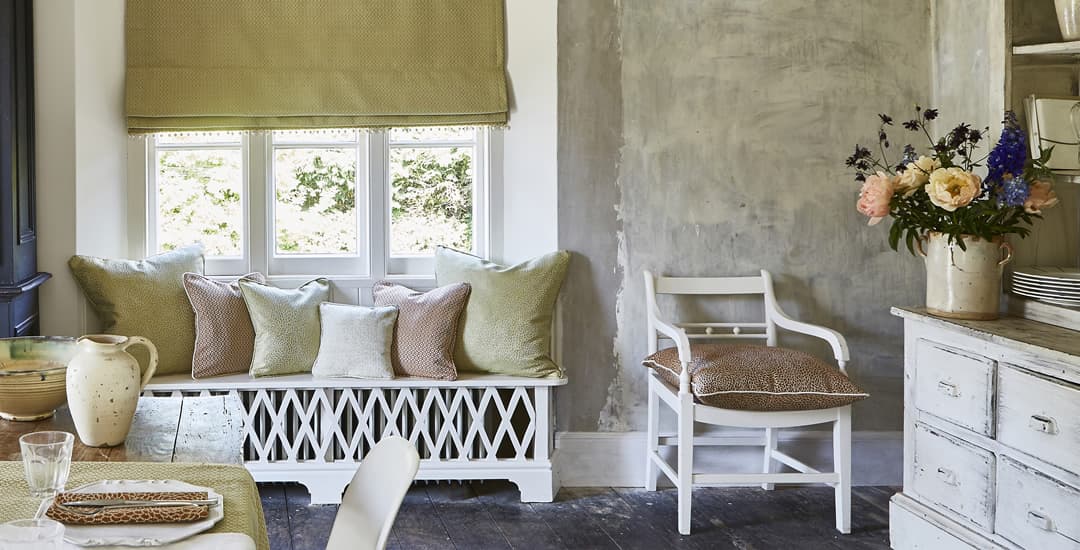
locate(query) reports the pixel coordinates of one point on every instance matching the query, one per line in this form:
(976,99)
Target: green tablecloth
(243,509)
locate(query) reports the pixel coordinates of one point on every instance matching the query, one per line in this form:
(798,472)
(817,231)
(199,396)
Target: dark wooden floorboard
(568,518)
(490,515)
(518,521)
(659,509)
(310,524)
(418,526)
(276,513)
(465,517)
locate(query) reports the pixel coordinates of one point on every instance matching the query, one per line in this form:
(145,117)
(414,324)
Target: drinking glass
(46,459)
(32,534)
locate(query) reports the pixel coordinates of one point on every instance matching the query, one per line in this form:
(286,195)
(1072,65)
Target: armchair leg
(769,465)
(651,438)
(686,460)
(842,465)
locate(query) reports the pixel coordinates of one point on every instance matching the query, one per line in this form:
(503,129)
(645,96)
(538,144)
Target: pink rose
(1040,198)
(875,196)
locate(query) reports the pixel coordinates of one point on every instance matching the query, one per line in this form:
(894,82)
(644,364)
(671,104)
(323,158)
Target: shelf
(1055,48)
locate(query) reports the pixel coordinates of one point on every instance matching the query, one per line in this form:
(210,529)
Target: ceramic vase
(964,283)
(1068,14)
(103,387)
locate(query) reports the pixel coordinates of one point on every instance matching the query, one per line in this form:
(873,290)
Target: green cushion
(145,298)
(506,327)
(286,323)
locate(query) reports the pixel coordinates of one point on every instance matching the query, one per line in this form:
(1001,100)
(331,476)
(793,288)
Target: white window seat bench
(315,431)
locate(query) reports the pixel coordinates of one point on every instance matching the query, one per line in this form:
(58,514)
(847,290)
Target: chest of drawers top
(1044,348)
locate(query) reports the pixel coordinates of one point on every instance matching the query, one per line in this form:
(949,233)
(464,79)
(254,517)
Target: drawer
(1035,510)
(1039,416)
(955,386)
(954,474)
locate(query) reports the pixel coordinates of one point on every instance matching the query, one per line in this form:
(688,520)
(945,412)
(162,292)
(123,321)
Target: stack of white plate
(1055,285)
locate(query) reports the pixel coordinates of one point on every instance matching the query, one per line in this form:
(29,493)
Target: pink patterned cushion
(224,337)
(426,329)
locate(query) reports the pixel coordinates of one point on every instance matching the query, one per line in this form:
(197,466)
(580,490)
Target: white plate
(1047,291)
(1068,274)
(146,534)
(1056,301)
(1072,283)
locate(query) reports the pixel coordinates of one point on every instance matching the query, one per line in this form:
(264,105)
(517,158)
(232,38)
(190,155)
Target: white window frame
(372,261)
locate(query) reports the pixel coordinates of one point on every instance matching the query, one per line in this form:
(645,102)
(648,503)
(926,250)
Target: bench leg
(325,490)
(539,486)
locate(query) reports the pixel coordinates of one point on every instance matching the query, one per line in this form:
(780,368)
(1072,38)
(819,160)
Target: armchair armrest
(782,320)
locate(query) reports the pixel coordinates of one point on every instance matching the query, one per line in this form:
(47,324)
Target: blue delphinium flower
(1014,192)
(1010,153)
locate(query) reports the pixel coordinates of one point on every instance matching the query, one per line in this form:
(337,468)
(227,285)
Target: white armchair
(681,400)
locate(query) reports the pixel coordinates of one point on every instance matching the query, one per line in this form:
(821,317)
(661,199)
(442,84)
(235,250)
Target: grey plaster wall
(707,137)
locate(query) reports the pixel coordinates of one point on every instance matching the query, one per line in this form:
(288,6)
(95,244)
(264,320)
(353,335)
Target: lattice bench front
(315,431)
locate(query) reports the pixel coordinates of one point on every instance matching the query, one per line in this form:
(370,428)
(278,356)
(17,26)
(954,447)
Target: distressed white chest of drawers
(991,435)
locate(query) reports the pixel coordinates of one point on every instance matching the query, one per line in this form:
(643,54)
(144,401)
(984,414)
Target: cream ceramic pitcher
(103,387)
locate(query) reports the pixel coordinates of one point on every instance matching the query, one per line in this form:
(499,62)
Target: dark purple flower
(885,119)
(930,114)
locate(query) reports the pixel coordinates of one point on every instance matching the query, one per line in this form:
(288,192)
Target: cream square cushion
(224,337)
(145,298)
(758,378)
(286,323)
(355,341)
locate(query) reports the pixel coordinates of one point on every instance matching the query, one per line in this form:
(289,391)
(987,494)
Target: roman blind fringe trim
(252,65)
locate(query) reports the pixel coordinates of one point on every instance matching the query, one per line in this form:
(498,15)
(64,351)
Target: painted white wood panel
(954,474)
(1039,417)
(912,530)
(956,386)
(1035,510)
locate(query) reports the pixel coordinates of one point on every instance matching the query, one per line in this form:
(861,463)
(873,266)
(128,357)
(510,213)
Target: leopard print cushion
(758,378)
(183,514)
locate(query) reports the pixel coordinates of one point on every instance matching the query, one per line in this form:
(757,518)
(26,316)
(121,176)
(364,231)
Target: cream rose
(1040,198)
(952,188)
(916,175)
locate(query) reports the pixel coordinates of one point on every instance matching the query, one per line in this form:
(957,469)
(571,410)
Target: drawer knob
(948,389)
(1040,521)
(1043,424)
(948,477)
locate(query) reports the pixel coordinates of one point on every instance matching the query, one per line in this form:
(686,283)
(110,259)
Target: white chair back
(712,286)
(371,502)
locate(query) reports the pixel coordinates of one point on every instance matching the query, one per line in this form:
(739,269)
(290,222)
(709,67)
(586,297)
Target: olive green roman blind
(280,64)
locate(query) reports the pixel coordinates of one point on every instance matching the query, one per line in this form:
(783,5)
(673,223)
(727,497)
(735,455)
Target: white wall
(530,148)
(81,146)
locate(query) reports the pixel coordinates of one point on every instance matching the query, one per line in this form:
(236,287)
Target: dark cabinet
(19,277)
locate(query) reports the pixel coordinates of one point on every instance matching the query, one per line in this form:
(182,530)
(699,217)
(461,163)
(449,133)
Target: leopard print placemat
(183,514)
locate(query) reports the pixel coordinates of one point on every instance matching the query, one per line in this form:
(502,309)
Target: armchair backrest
(760,285)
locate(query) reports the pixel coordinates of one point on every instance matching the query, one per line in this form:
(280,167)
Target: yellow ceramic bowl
(33,376)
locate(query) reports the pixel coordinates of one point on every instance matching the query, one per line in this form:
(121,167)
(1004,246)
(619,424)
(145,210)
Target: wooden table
(165,429)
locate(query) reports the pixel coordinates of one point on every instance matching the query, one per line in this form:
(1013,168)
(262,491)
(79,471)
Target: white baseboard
(617,459)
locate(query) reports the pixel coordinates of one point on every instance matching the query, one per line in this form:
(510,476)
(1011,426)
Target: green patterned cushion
(286,323)
(145,298)
(506,327)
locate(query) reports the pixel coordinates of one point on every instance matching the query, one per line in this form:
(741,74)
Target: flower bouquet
(942,209)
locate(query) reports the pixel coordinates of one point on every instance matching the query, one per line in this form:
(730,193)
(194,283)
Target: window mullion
(378,229)
(258,203)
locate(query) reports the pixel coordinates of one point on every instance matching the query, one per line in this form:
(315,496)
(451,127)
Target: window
(344,203)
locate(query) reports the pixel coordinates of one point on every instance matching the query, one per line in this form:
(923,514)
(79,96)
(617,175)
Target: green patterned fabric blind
(280,64)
